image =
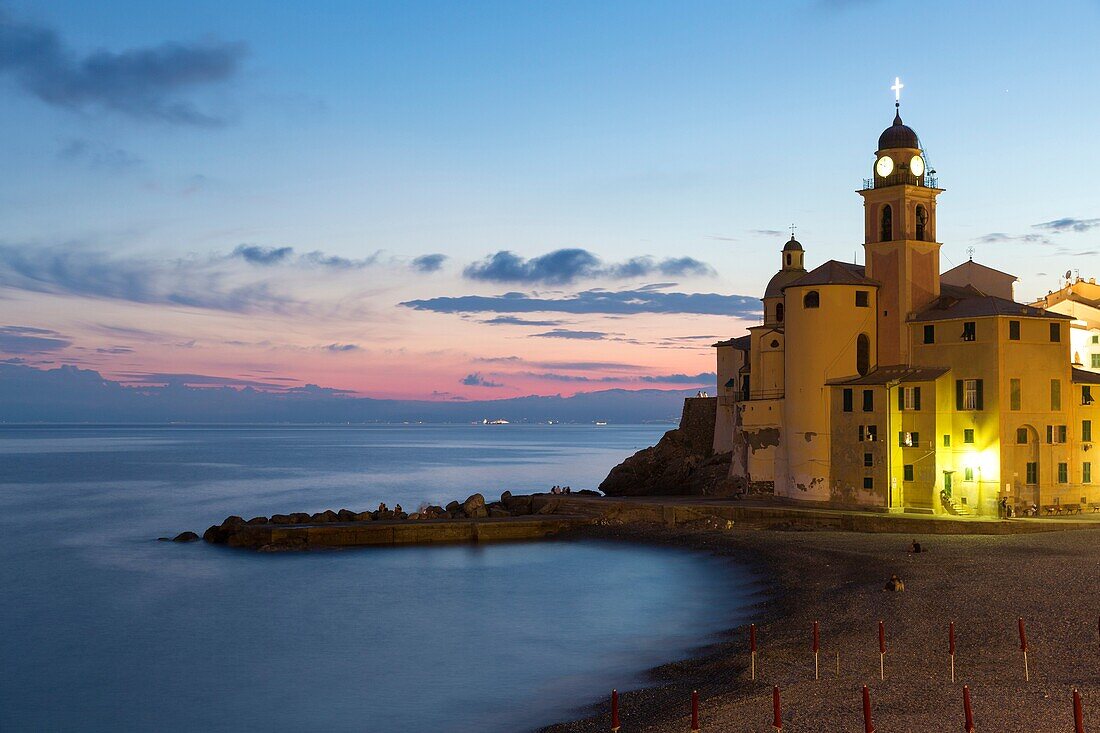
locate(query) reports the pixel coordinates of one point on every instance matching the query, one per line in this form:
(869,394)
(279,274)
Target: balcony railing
(898,178)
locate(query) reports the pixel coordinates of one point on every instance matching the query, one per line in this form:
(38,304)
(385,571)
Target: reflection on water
(107,629)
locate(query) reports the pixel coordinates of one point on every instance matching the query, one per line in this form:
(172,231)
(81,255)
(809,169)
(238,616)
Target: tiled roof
(741,343)
(968,302)
(1083,376)
(896,373)
(834,273)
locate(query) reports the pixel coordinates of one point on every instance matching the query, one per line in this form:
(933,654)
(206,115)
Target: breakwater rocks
(301,530)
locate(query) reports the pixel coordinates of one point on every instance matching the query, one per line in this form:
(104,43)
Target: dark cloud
(1068,224)
(623,302)
(342,348)
(170,379)
(29,340)
(565,333)
(258,255)
(476,380)
(428,263)
(701,378)
(769,232)
(115,350)
(1002,238)
(566,365)
(98,156)
(145,83)
(565,266)
(517,321)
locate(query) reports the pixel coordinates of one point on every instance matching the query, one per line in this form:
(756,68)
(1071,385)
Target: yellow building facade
(895,386)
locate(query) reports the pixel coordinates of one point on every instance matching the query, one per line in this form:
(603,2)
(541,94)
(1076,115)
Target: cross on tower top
(898,86)
(792,227)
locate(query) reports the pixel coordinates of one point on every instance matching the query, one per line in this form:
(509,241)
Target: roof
(780,280)
(1084,376)
(834,273)
(897,373)
(971,264)
(969,302)
(898,135)
(741,343)
(793,245)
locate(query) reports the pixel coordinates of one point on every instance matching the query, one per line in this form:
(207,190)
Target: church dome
(780,280)
(898,135)
(792,246)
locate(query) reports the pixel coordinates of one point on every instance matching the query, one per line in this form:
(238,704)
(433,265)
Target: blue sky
(365,135)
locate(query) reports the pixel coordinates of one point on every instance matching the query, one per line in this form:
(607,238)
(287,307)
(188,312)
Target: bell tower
(902,254)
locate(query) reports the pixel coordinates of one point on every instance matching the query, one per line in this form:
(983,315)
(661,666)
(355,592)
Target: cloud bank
(565,266)
(622,302)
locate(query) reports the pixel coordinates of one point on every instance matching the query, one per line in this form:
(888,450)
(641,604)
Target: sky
(485,200)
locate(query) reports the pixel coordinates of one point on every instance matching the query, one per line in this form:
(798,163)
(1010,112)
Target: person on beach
(895,584)
(915,547)
(382,506)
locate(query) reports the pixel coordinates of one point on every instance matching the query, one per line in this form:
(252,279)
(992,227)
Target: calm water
(104,628)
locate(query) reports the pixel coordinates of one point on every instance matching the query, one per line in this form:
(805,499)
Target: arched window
(779,312)
(922,221)
(863,354)
(811,300)
(887,233)
(788,260)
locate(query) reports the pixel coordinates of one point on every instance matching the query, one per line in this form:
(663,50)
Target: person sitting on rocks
(396,508)
(382,506)
(895,584)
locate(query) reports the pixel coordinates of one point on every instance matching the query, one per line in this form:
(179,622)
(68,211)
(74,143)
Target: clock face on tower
(916,165)
(884,166)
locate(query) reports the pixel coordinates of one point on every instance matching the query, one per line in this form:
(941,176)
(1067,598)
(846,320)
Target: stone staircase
(957,508)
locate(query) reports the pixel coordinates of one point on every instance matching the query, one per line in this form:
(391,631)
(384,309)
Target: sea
(105,628)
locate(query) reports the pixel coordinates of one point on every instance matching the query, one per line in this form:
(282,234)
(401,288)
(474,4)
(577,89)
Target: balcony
(898,178)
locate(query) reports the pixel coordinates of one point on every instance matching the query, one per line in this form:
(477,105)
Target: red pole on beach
(614,711)
(817,648)
(881,650)
(752,648)
(777,710)
(1023,648)
(951,647)
(966,709)
(1078,713)
(694,711)
(868,726)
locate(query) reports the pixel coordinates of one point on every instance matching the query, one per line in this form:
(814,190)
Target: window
(909,398)
(863,299)
(1056,394)
(745,390)
(1014,330)
(908,439)
(886,232)
(970,331)
(868,459)
(1021,436)
(929,334)
(847,400)
(868,482)
(1086,473)
(947,441)
(779,310)
(968,394)
(811,299)
(1055,332)
(1032,474)
(1086,431)
(1056,433)
(907,472)
(1096,339)
(868,400)
(1086,395)
(868,433)
(788,260)
(922,222)
(863,354)
(1063,473)
(968,436)
(1095,360)
(968,474)
(1014,394)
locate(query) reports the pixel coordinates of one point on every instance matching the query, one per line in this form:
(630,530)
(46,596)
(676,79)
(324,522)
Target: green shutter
(916,398)
(958,394)
(901,398)
(979,404)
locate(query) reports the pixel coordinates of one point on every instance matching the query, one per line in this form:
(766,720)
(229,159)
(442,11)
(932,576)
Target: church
(895,386)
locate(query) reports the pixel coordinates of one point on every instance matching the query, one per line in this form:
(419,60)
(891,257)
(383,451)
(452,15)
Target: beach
(982,583)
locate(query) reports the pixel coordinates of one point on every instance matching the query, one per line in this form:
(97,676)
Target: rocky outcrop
(682,463)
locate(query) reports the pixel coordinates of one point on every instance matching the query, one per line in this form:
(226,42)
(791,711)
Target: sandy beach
(982,583)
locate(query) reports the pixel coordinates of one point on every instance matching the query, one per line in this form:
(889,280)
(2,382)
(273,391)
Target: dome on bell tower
(898,135)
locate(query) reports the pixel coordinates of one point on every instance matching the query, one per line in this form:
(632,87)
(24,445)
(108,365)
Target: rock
(474,507)
(499,512)
(364,517)
(233,523)
(675,466)
(400,515)
(299,518)
(505,497)
(587,492)
(185,537)
(324,517)
(457,514)
(214,535)
(517,504)
(164,539)
(453,507)
(280,519)
(257,520)
(434,512)
(346,515)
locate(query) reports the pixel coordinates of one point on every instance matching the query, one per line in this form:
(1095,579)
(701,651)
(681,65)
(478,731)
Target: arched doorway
(1025,470)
